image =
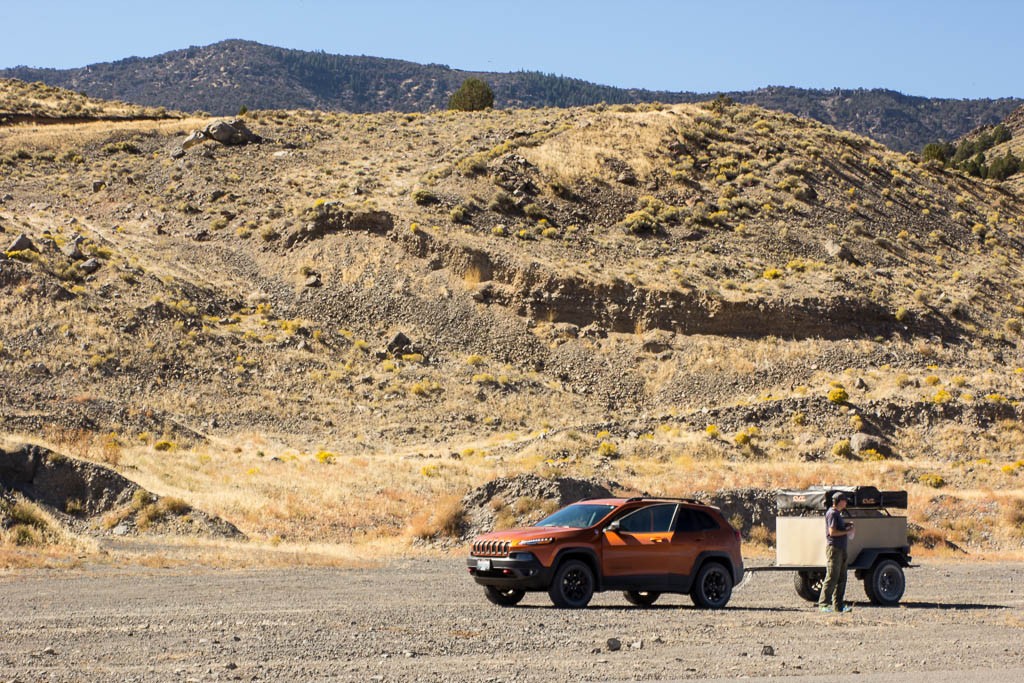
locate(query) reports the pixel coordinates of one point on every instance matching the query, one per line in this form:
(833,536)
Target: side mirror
(614,526)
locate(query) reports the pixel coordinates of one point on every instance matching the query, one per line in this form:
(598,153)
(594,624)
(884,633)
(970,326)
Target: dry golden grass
(579,153)
(63,137)
(40,100)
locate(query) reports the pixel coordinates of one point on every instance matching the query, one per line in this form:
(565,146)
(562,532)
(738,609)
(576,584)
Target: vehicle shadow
(943,605)
(665,608)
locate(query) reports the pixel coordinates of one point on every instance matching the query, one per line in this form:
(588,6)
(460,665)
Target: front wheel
(808,585)
(713,587)
(885,583)
(641,598)
(573,585)
(505,597)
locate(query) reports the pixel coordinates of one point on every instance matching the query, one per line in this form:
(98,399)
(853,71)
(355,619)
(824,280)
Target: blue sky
(939,48)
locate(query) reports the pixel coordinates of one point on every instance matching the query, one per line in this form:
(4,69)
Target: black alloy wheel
(885,583)
(573,585)
(713,587)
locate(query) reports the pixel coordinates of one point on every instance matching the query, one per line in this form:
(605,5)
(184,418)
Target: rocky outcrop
(82,492)
(331,217)
(225,132)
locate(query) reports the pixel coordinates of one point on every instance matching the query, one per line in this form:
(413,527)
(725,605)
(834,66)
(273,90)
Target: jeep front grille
(491,548)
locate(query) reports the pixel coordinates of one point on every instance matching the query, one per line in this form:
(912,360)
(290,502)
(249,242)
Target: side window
(653,518)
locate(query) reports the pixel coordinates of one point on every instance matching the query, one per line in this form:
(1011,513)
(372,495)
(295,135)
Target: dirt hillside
(337,332)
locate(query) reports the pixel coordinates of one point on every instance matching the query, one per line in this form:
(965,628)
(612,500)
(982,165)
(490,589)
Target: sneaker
(845,608)
(825,608)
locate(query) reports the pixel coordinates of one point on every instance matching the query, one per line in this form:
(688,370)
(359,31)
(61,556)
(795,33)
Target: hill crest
(224,76)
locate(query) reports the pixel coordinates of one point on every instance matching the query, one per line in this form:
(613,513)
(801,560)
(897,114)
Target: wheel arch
(722,558)
(867,558)
(586,555)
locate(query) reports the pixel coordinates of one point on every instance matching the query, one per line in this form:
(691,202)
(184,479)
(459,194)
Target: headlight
(536,541)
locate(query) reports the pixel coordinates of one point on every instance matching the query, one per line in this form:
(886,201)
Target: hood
(533,533)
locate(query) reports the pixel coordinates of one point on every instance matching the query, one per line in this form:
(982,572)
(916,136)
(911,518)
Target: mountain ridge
(223,77)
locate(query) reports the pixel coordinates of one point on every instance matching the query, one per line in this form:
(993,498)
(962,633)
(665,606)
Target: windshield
(578,516)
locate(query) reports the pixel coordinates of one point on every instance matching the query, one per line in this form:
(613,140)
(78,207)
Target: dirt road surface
(425,620)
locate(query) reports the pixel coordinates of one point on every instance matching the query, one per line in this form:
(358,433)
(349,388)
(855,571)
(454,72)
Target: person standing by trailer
(837,534)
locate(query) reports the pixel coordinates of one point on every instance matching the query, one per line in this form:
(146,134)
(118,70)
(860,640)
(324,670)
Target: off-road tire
(504,597)
(641,598)
(713,586)
(808,585)
(885,583)
(573,585)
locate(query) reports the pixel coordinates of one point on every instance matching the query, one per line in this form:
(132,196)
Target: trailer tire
(885,583)
(808,585)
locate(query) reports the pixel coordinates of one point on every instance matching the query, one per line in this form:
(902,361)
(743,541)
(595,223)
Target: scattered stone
(768,651)
(614,645)
(89,266)
(400,344)
(22,243)
(636,645)
(98,185)
(313,280)
(73,251)
(839,251)
(49,651)
(231,666)
(861,384)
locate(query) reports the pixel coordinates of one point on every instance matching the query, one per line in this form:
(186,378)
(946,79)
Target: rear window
(695,520)
(579,516)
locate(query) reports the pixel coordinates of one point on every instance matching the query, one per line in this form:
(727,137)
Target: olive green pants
(833,589)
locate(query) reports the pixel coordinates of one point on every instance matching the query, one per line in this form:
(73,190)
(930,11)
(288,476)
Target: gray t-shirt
(834,520)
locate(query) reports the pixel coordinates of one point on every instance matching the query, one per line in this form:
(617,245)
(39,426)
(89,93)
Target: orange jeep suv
(641,546)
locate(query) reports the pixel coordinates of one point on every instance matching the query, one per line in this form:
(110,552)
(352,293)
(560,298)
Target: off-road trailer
(878,550)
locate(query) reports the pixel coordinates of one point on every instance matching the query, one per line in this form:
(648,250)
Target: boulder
(22,243)
(862,441)
(90,266)
(225,132)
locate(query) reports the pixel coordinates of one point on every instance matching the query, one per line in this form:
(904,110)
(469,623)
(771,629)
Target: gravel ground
(425,620)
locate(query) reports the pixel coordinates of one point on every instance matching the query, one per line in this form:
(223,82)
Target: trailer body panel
(800,541)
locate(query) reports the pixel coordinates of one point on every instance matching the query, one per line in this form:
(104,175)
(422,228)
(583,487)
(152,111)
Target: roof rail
(677,500)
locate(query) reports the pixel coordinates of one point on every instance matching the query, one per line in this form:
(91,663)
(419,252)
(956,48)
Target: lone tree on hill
(472,95)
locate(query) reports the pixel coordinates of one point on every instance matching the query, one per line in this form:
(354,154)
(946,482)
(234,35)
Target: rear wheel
(573,585)
(713,586)
(885,583)
(641,598)
(808,585)
(506,597)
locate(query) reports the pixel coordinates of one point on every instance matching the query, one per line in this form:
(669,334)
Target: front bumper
(520,570)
